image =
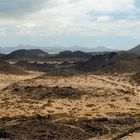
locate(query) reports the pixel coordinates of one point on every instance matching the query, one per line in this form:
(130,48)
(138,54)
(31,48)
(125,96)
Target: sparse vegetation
(57,101)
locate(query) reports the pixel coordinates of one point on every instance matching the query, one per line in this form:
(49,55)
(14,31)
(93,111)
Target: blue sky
(86,23)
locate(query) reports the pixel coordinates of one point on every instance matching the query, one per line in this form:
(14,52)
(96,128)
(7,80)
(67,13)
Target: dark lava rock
(41,92)
(4,134)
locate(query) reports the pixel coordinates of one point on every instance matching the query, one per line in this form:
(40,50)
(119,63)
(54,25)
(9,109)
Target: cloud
(69,17)
(84,6)
(103,19)
(17,8)
(64,7)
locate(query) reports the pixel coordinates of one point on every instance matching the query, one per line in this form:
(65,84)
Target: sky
(86,23)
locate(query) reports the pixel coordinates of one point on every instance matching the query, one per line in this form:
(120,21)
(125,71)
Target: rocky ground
(83,107)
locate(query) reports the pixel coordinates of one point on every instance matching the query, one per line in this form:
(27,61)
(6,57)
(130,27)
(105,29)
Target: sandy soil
(6,80)
(105,95)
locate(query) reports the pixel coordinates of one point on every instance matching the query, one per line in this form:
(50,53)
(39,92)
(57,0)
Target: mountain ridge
(135,50)
(56,49)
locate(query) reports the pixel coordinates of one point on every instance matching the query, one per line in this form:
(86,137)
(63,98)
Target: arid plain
(71,98)
(57,101)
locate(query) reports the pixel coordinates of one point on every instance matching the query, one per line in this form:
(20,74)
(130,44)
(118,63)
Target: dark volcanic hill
(35,66)
(6,68)
(2,55)
(135,50)
(112,62)
(26,55)
(75,54)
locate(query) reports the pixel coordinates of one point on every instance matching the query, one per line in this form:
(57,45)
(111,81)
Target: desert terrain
(111,100)
(62,100)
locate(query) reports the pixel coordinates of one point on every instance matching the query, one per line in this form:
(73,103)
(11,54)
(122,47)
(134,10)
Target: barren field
(90,106)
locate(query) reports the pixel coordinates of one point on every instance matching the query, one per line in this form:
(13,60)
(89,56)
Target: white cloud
(77,17)
(103,19)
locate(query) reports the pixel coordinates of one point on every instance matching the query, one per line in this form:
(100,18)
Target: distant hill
(6,68)
(2,55)
(75,54)
(6,50)
(135,50)
(35,66)
(23,55)
(88,49)
(56,49)
(104,49)
(110,63)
